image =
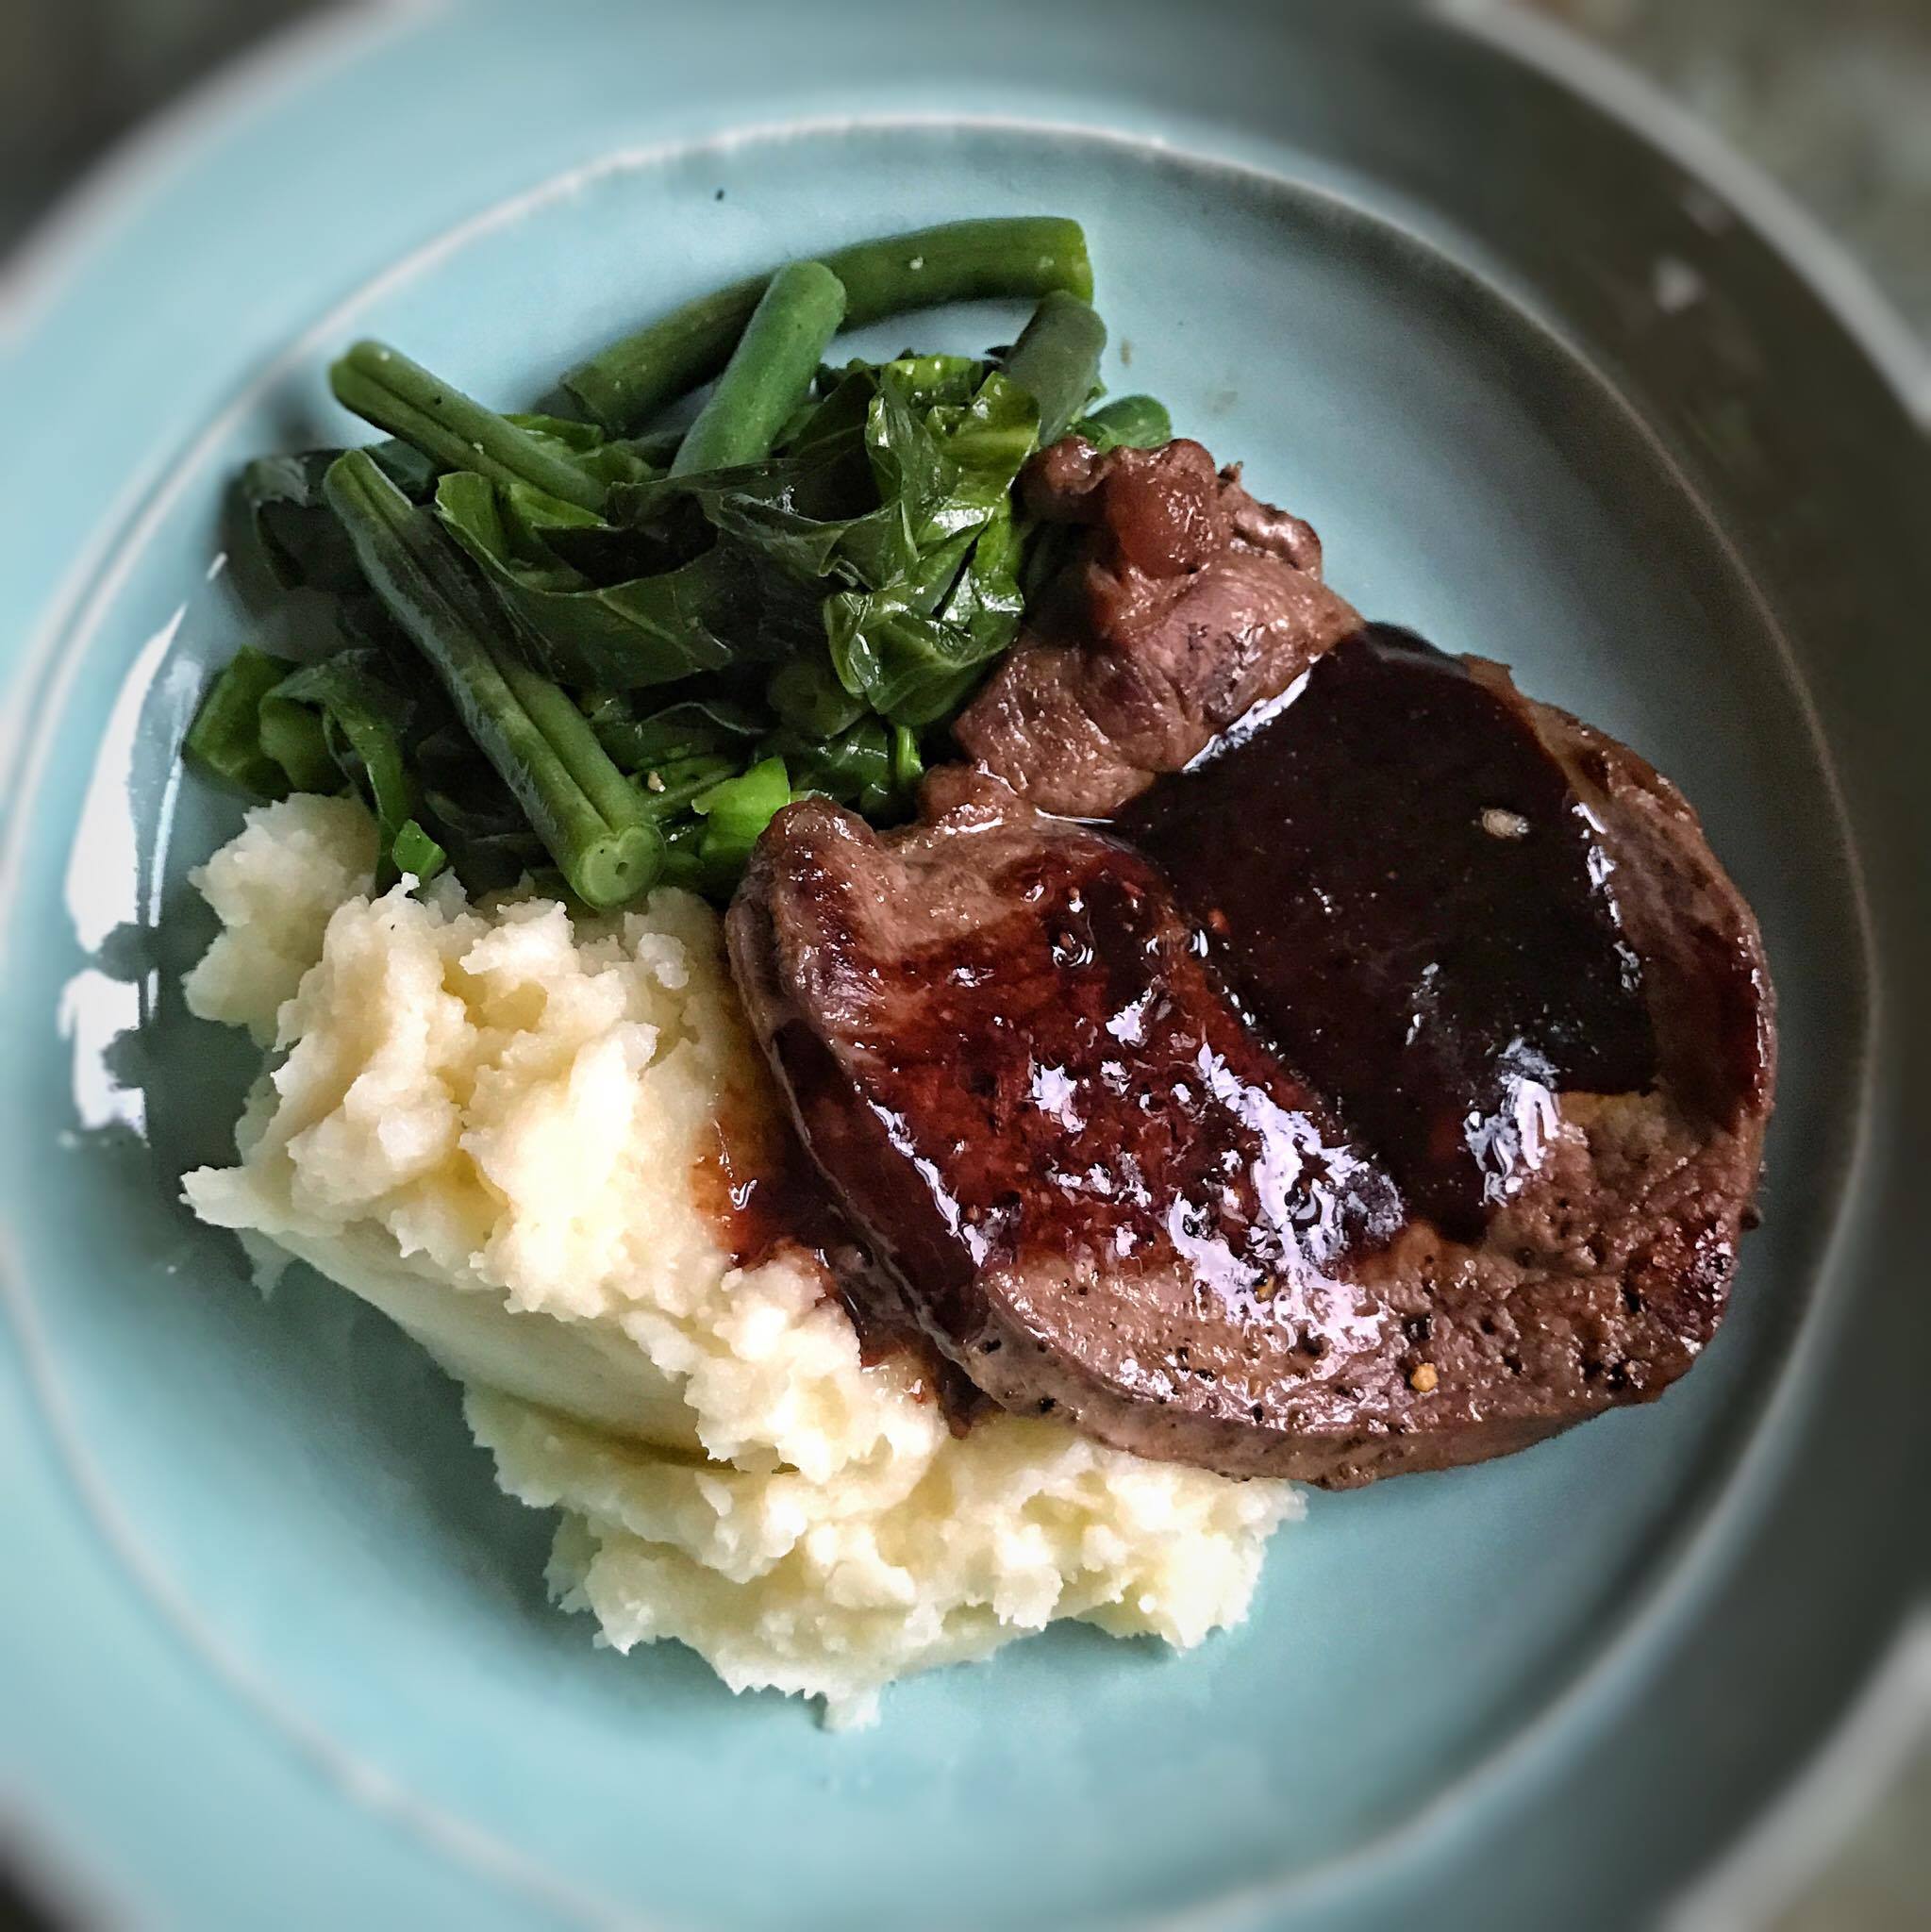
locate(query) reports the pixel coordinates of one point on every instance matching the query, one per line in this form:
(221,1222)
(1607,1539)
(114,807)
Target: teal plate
(272,1650)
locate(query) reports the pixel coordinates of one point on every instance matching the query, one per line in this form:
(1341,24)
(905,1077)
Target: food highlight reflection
(113,885)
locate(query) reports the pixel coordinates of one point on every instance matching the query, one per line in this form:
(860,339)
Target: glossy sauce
(1415,909)
(764,1194)
(1069,1082)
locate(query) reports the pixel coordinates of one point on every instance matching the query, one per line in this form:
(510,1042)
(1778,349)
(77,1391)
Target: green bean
(958,261)
(1127,423)
(385,387)
(590,816)
(768,373)
(1058,359)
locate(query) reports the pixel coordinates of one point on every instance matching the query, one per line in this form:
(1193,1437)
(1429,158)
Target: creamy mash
(489,1119)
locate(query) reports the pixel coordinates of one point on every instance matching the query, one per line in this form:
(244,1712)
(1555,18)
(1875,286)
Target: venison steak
(1383,1092)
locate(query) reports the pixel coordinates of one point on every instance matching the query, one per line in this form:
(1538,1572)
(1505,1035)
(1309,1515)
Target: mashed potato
(489,1120)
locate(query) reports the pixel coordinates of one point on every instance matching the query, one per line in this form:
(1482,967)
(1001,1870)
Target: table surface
(1831,97)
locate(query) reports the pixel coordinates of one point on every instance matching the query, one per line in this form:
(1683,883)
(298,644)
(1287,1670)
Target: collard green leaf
(365,719)
(610,463)
(463,792)
(985,600)
(915,667)
(941,381)
(473,814)
(811,513)
(895,459)
(415,852)
(806,694)
(225,739)
(617,636)
(693,728)
(907,465)
(854,766)
(295,737)
(301,541)
(305,545)
(684,859)
(916,648)
(922,534)
(985,443)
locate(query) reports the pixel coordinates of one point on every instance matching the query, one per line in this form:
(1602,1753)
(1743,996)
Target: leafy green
(413,851)
(914,649)
(688,728)
(887,469)
(225,739)
(555,653)
(474,815)
(818,507)
(365,718)
(610,463)
(855,766)
(984,443)
(295,737)
(271,726)
(805,693)
(300,538)
(735,811)
(705,614)
(304,544)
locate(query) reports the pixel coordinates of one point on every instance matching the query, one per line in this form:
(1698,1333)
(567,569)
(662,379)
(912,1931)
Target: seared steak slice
(1003,1048)
(1187,603)
(1105,1196)
(1600,1279)
(1408,894)
(1705,979)
(1388,1094)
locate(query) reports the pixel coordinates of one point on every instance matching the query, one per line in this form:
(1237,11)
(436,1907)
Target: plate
(1551,394)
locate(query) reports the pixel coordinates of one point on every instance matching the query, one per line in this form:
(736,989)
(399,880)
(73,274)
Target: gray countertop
(1832,98)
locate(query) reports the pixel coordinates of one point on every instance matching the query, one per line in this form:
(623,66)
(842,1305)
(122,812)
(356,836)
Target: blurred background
(1830,97)
(1833,97)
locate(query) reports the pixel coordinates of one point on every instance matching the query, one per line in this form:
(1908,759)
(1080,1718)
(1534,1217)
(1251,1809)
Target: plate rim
(87,220)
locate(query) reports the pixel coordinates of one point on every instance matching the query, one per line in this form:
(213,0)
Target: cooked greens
(567,646)
(769,371)
(629,382)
